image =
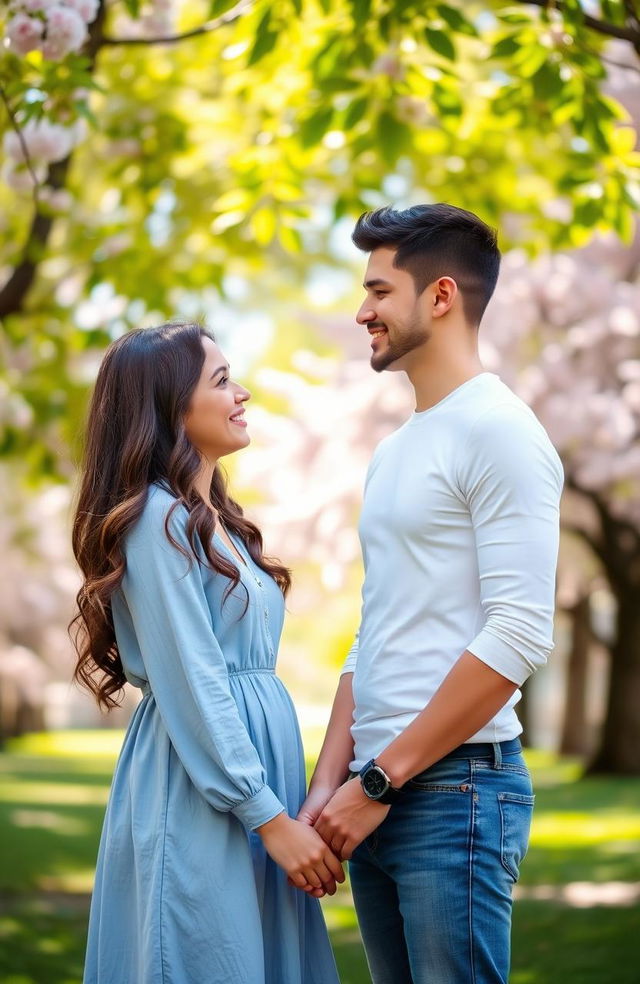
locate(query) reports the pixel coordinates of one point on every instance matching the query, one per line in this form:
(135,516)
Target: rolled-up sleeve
(511,479)
(186,669)
(349,665)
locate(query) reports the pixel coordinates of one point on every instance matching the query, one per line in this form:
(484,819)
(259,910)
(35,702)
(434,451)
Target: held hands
(347,818)
(309,863)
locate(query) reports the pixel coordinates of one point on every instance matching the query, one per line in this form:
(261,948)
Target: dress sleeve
(186,669)
(349,665)
(511,480)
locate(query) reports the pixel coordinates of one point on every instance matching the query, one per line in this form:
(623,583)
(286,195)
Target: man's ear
(444,293)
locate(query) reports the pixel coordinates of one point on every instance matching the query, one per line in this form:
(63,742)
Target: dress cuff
(259,808)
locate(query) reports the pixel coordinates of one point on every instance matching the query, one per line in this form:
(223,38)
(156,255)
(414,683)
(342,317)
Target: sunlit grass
(52,794)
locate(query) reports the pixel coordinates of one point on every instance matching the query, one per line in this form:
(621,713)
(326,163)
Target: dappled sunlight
(70,744)
(75,794)
(69,882)
(583,895)
(48,820)
(572,830)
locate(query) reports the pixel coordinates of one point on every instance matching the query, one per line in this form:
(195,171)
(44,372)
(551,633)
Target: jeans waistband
(493,750)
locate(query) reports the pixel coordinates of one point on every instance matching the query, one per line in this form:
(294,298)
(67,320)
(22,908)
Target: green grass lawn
(585,849)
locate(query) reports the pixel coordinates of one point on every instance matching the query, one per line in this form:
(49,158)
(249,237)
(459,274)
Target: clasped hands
(343,818)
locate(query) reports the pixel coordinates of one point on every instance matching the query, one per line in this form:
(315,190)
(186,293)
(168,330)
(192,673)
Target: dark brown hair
(135,436)
(433,241)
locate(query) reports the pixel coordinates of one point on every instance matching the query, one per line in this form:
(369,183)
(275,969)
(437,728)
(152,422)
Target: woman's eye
(222,380)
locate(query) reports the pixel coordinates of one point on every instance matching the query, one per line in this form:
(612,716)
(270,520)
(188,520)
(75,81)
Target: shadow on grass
(42,938)
(555,944)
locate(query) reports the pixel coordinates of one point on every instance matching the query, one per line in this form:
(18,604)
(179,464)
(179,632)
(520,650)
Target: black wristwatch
(377,785)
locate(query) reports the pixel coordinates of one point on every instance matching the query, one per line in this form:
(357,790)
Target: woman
(199,855)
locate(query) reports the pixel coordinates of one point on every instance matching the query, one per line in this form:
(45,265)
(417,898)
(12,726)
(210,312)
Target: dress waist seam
(252,670)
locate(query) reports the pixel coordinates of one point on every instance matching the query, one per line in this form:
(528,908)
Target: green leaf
(313,129)
(265,41)
(133,7)
(506,47)
(587,212)
(393,137)
(355,112)
(447,100)
(456,20)
(530,59)
(361,10)
(263,225)
(218,7)
(441,43)
(82,109)
(547,82)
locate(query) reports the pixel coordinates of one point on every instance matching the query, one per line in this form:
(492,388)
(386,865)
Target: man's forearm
(337,748)
(471,694)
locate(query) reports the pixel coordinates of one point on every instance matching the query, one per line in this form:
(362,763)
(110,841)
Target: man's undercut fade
(433,241)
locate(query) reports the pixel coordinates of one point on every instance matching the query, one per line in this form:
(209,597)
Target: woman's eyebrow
(217,371)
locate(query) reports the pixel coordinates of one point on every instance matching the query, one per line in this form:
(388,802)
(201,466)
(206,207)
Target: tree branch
(15,290)
(600,26)
(227,18)
(584,534)
(25,150)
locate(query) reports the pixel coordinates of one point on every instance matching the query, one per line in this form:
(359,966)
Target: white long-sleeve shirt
(459,532)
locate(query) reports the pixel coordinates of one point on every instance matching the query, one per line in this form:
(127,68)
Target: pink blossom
(87,9)
(66,32)
(19,178)
(24,33)
(45,142)
(32,6)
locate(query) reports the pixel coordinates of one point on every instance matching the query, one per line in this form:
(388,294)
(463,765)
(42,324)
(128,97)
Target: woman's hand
(301,852)
(317,798)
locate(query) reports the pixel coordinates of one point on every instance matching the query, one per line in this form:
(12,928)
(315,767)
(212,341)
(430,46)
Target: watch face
(374,783)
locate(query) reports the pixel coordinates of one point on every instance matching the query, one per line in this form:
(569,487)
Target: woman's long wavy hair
(135,436)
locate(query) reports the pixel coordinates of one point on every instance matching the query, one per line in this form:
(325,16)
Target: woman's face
(214,422)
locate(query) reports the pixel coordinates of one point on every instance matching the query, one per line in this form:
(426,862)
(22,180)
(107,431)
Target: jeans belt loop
(497,755)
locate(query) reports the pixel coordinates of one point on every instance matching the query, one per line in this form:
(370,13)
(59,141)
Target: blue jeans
(432,885)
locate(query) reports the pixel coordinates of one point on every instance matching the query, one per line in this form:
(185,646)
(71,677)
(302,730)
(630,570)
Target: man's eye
(381,293)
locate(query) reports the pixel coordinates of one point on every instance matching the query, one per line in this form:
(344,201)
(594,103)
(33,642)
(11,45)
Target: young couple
(212,861)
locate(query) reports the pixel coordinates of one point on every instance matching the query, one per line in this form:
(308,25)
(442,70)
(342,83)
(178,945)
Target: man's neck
(433,382)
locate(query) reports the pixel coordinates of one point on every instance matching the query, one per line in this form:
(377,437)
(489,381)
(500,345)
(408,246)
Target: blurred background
(207,160)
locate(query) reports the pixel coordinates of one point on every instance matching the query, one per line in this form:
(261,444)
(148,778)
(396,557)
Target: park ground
(577,920)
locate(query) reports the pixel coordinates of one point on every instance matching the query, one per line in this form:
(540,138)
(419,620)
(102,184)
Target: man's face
(396,318)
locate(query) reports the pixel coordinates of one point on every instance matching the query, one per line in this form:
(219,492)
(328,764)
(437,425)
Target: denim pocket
(516,810)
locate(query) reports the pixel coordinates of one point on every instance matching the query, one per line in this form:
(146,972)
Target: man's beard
(414,336)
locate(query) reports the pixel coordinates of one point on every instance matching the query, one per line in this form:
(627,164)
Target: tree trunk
(619,750)
(574,738)
(523,710)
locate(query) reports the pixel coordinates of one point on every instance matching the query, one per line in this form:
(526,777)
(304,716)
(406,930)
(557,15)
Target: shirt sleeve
(511,478)
(186,668)
(349,664)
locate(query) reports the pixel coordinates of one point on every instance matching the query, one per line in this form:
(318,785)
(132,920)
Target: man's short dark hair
(435,241)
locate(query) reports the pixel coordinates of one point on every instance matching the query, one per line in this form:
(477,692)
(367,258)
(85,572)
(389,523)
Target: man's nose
(365,314)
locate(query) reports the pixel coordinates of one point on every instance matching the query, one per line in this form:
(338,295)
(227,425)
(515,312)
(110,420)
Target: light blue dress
(184,891)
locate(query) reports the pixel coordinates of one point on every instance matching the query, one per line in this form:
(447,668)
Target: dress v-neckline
(233,549)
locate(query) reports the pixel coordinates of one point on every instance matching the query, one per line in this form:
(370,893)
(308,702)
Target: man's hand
(348,818)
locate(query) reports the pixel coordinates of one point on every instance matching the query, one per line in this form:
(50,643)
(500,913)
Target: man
(420,781)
